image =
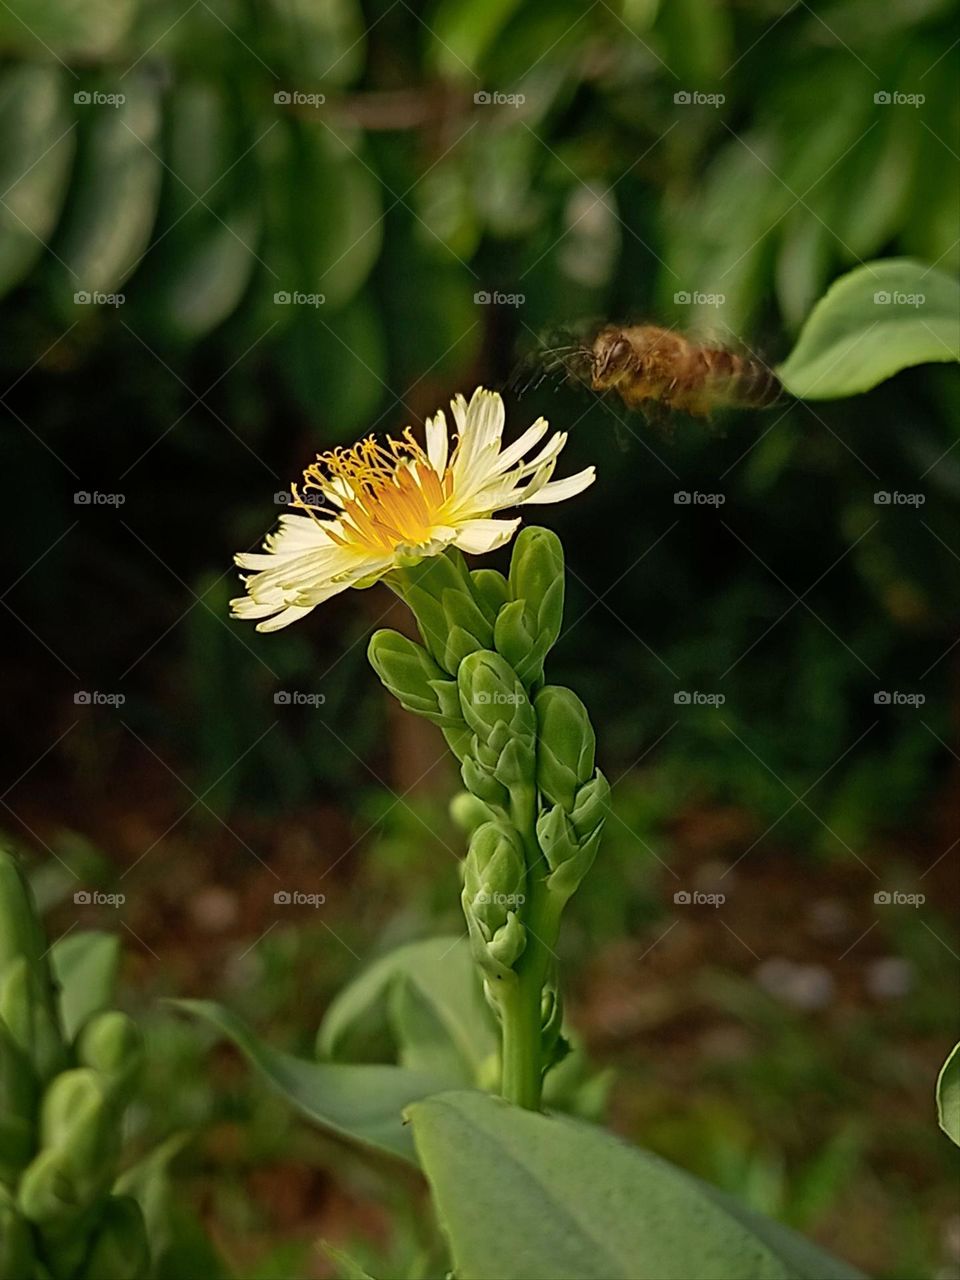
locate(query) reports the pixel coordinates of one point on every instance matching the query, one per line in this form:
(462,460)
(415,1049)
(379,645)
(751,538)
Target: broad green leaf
(948,1096)
(113,198)
(85,968)
(462,33)
(441,976)
(523,1196)
(76,30)
(36,147)
(870,324)
(362,1103)
(347,1269)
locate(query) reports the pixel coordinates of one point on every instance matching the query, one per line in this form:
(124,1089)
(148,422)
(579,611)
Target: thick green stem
(520,1006)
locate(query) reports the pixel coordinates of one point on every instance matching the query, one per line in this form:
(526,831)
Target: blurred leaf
(77,30)
(37,143)
(437,972)
(321,41)
(85,967)
(698,41)
(461,33)
(362,1103)
(113,197)
(524,1196)
(869,325)
(948,1096)
(347,1269)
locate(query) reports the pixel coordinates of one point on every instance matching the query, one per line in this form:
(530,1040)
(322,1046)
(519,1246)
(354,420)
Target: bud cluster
(61,1105)
(536,803)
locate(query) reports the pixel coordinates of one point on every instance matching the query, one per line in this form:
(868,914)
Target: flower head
(378,506)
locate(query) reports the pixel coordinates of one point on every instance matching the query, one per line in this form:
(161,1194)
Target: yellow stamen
(391,494)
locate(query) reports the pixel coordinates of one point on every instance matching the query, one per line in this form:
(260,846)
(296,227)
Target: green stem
(522,1078)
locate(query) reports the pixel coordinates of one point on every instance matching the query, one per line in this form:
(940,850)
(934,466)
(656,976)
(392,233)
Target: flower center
(384,495)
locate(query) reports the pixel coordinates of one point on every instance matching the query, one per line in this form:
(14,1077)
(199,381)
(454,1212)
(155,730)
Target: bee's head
(612,355)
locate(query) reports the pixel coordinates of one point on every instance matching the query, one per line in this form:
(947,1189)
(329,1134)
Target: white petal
(476,537)
(291,614)
(438,442)
(559,490)
(514,452)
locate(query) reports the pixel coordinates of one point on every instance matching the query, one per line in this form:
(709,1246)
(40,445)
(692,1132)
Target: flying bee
(656,370)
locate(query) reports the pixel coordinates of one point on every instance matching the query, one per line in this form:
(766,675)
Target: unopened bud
(566,747)
(410,674)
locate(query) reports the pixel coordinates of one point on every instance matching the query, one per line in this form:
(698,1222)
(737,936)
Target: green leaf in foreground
(948,1096)
(871,323)
(524,1196)
(363,1103)
(85,968)
(347,1269)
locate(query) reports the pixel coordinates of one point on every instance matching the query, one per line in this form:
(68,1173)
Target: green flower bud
(79,1138)
(527,628)
(591,806)
(441,594)
(412,676)
(490,590)
(19,1092)
(25,1008)
(491,695)
(120,1250)
(111,1044)
(566,747)
(17,1256)
(468,812)
(493,896)
(479,779)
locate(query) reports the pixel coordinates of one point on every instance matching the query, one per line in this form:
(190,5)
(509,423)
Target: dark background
(784,1045)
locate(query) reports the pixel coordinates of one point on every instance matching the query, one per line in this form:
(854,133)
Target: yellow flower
(378,506)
